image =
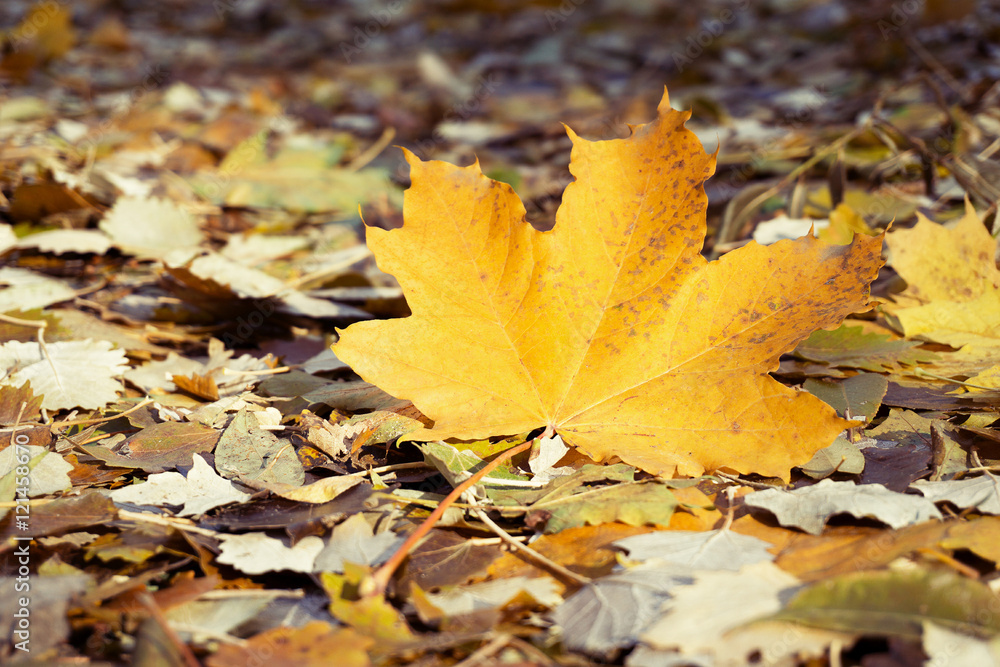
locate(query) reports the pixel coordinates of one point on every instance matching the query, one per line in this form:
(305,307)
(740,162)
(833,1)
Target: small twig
(962,568)
(36,324)
(550,564)
(920,371)
(380,579)
(836,646)
(736,222)
(531,651)
(269,371)
(201,630)
(966,471)
(372,151)
(730,510)
(101,420)
(170,522)
(147,601)
(486,651)
(20,413)
(390,468)
(744,482)
(31,502)
(935,66)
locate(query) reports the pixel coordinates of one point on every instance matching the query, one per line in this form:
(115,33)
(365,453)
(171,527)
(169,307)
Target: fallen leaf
(19,404)
(445,558)
(953,286)
(157,375)
(372,616)
(904,427)
(198,491)
(457,466)
(844,224)
(782,228)
(487,595)
(709,550)
(311,645)
(136,544)
(843,549)
(851,347)
(215,275)
(612,612)
(354,541)
(980,536)
(25,290)
(979,493)
(257,553)
(697,617)
(320,491)
(809,507)
(48,470)
(150,227)
(158,447)
(221,614)
(355,397)
(375,428)
(69,374)
(841,456)
(595,327)
(860,395)
(63,514)
(54,597)
(585,550)
(773,643)
(59,241)
(200,386)
(891,602)
(946,647)
(592,495)
(248,452)
(635,505)
(301,176)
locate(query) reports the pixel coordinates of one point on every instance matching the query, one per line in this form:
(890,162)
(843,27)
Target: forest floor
(189,475)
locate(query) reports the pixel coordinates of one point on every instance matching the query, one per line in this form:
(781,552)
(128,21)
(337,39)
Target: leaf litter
(201,475)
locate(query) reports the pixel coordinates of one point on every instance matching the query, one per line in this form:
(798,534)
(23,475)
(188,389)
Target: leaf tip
(664,105)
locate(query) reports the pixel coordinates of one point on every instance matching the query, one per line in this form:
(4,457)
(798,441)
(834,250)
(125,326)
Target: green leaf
(897,603)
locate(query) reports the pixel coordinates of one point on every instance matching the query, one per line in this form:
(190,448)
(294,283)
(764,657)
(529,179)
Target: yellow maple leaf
(611,328)
(952,292)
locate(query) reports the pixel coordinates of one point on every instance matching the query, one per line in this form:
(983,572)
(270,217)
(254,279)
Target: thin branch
(101,420)
(548,563)
(380,579)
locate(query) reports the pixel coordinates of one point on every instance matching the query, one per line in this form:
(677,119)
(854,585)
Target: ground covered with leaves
(708,378)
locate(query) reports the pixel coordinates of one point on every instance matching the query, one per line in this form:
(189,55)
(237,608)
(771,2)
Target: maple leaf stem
(380,579)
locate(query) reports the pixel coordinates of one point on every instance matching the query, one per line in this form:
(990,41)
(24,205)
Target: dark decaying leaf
(159,447)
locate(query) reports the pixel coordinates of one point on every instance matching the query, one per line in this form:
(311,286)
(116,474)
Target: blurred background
(889,107)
